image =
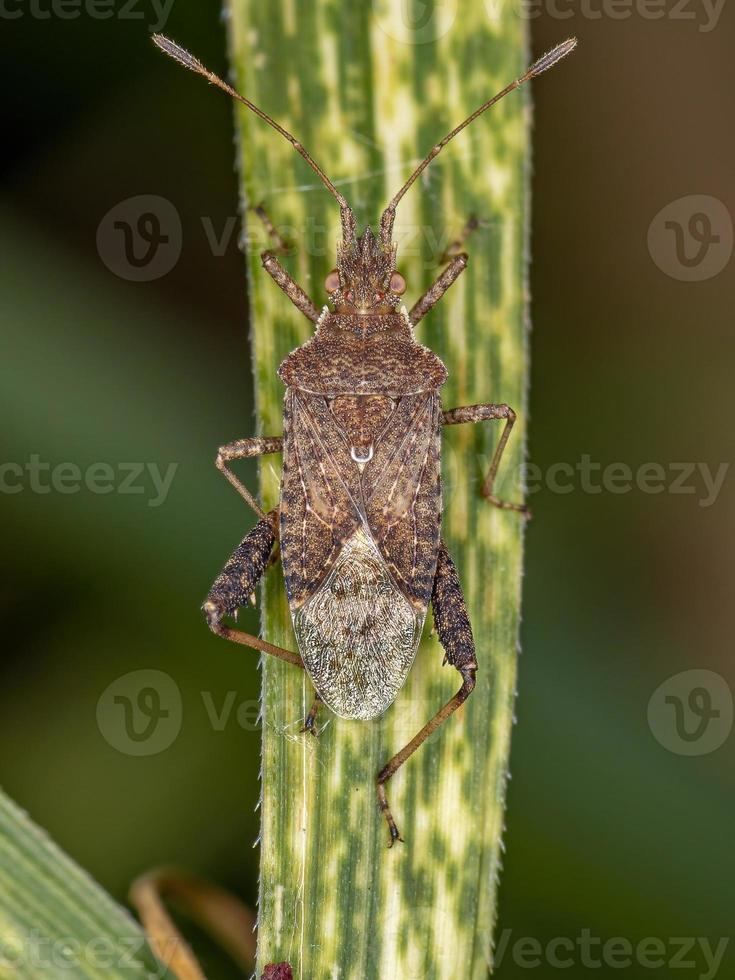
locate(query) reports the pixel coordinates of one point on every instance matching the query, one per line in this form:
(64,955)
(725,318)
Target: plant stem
(368,97)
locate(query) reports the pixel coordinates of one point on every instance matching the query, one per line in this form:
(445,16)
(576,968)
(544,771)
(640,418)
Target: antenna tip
(178,53)
(551,58)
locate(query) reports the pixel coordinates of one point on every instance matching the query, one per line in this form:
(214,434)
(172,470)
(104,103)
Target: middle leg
(246,449)
(486,413)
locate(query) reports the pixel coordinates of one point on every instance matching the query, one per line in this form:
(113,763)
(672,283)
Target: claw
(521,509)
(394,834)
(310,725)
(212,613)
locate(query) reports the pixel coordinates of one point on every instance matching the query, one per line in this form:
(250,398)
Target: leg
(290,287)
(457,259)
(311,717)
(454,248)
(236,583)
(455,635)
(279,275)
(485,413)
(246,449)
(280,245)
(435,292)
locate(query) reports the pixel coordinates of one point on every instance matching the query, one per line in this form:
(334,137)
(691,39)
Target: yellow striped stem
(368,92)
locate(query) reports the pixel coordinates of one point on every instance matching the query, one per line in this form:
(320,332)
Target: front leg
(246,449)
(486,413)
(437,289)
(455,635)
(276,271)
(289,285)
(456,259)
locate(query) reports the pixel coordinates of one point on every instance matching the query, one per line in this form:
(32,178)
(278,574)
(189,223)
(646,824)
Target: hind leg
(310,722)
(455,635)
(236,583)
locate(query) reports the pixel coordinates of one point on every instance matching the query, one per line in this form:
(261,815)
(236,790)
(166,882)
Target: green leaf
(55,921)
(368,96)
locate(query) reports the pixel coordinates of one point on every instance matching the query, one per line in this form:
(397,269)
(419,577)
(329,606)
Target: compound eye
(331,283)
(397,284)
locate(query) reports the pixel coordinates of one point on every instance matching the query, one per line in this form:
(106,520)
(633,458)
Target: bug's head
(365,279)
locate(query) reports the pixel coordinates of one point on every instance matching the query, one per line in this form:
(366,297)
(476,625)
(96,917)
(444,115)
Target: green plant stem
(368,103)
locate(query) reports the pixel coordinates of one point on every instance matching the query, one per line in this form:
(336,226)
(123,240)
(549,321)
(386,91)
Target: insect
(359,518)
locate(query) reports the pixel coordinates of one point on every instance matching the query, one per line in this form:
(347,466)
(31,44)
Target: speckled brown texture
(361,416)
(365,269)
(326,495)
(238,579)
(450,614)
(362,422)
(363,355)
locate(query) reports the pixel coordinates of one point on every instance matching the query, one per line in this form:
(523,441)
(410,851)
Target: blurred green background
(609,829)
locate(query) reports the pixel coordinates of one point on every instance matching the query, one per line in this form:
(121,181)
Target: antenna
(542,65)
(183,57)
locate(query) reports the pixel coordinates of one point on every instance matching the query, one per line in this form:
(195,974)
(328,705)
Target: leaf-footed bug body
(359,518)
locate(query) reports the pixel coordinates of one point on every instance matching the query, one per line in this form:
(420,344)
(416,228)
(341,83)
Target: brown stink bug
(359,519)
